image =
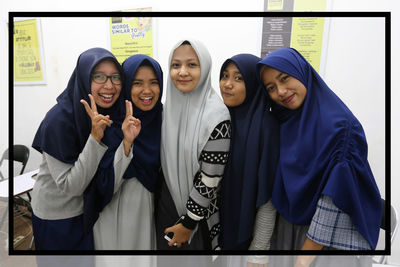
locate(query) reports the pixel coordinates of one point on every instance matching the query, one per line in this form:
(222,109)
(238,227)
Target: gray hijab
(188,121)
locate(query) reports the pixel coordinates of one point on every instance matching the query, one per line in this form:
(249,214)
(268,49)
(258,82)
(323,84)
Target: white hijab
(188,121)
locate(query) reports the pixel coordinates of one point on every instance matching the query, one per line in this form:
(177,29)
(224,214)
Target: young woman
(127,221)
(324,189)
(194,150)
(73,142)
(254,152)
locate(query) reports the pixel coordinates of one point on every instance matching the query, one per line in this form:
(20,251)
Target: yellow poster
(307,35)
(27,58)
(130,36)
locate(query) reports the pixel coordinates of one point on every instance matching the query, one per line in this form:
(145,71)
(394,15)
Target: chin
(146,108)
(185,89)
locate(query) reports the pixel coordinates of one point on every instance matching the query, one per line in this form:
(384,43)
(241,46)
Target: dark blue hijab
(254,151)
(65,129)
(146,148)
(323,150)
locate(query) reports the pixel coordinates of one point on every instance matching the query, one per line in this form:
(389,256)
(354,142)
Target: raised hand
(130,127)
(99,122)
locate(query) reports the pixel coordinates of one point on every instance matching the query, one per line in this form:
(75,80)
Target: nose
(183,71)
(108,83)
(282,90)
(228,84)
(146,87)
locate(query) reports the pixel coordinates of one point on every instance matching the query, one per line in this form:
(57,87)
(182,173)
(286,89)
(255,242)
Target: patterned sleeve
(332,227)
(203,197)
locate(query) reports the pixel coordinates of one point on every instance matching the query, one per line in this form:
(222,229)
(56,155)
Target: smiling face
(105,94)
(232,86)
(185,69)
(284,89)
(145,89)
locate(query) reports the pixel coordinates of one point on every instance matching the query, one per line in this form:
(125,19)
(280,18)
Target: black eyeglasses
(102,78)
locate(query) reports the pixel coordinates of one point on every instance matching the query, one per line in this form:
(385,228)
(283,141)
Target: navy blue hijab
(146,150)
(323,150)
(254,152)
(66,127)
(145,163)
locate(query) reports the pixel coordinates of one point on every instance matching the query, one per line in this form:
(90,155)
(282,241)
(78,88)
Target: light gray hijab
(188,121)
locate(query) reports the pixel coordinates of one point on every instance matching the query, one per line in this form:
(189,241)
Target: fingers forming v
(87,108)
(129,109)
(93,105)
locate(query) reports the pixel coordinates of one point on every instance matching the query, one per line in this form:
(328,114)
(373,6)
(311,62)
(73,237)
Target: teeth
(147,98)
(107,96)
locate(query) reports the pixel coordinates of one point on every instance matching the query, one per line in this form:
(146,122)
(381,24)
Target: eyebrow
(235,72)
(279,75)
(190,59)
(101,72)
(152,79)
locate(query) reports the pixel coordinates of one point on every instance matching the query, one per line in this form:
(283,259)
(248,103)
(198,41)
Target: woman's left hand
(181,234)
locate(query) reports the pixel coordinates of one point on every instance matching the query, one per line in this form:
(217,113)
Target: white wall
(354,65)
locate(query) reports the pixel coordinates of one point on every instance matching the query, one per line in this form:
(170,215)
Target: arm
(205,185)
(263,229)
(131,128)
(121,163)
(332,228)
(73,179)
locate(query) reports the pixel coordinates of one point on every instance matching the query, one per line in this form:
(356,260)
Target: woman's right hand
(130,127)
(99,122)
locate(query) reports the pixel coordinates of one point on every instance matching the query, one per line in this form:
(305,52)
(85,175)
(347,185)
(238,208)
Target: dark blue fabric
(101,189)
(323,150)
(65,129)
(146,149)
(61,234)
(254,153)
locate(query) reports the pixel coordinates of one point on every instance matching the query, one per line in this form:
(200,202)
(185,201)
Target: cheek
(242,95)
(156,92)
(173,74)
(273,96)
(221,85)
(303,92)
(118,88)
(134,94)
(94,88)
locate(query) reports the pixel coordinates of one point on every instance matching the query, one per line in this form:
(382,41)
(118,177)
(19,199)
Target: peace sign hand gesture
(99,122)
(130,127)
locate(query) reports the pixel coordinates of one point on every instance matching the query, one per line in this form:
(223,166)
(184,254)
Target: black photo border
(385,15)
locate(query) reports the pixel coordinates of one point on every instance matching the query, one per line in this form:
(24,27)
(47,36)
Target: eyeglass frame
(107,77)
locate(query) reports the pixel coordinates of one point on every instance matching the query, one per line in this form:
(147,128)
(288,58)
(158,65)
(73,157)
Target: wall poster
(28,53)
(305,34)
(131,35)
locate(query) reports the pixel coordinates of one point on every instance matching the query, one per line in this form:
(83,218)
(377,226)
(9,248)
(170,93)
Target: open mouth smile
(147,100)
(107,97)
